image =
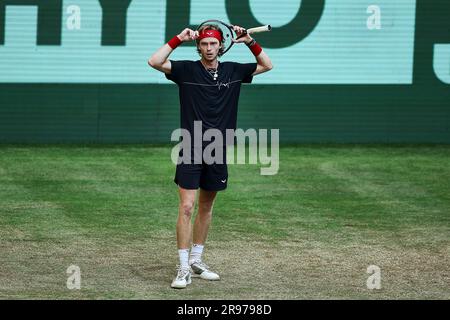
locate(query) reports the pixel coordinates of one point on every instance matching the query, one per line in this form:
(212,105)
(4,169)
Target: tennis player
(209,92)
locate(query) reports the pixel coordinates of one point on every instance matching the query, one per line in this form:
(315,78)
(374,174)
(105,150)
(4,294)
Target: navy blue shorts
(210,177)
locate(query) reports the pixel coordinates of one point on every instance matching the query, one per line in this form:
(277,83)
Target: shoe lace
(182,272)
(201,264)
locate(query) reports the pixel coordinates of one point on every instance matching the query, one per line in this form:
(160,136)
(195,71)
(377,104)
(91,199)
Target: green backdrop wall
(342,73)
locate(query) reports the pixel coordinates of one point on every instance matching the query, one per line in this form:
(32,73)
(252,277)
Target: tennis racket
(229,33)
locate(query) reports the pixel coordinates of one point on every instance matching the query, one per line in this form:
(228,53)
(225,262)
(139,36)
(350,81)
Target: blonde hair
(211,27)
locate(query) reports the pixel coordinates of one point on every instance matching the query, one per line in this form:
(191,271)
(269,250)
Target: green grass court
(309,232)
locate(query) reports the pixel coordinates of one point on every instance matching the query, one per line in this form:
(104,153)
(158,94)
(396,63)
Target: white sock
(184,257)
(196,252)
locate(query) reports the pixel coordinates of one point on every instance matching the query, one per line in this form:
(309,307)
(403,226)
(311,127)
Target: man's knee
(187,207)
(206,207)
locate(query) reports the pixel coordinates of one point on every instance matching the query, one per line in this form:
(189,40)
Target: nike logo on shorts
(223,181)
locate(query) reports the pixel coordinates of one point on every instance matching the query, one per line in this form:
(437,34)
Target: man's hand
(239,31)
(188,35)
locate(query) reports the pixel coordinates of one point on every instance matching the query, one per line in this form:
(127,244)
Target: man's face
(209,48)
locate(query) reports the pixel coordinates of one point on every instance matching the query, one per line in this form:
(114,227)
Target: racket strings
(227,36)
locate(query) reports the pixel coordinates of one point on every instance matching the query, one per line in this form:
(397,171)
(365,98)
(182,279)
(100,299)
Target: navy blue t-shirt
(214,102)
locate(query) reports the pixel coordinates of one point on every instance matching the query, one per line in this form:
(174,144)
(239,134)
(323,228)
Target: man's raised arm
(262,59)
(263,63)
(159,60)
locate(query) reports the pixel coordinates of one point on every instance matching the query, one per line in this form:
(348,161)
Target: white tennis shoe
(200,269)
(183,278)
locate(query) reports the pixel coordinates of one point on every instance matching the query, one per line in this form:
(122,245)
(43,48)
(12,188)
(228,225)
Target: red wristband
(255,49)
(174,42)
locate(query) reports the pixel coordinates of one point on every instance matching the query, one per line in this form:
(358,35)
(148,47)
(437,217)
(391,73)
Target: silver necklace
(213,71)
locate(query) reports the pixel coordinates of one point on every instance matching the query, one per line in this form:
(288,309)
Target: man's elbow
(151,63)
(269,66)
(154,63)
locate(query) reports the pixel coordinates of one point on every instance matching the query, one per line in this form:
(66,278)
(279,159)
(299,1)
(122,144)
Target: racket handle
(259,29)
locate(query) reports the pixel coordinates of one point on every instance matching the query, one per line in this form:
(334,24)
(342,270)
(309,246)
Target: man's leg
(185,209)
(203,218)
(201,227)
